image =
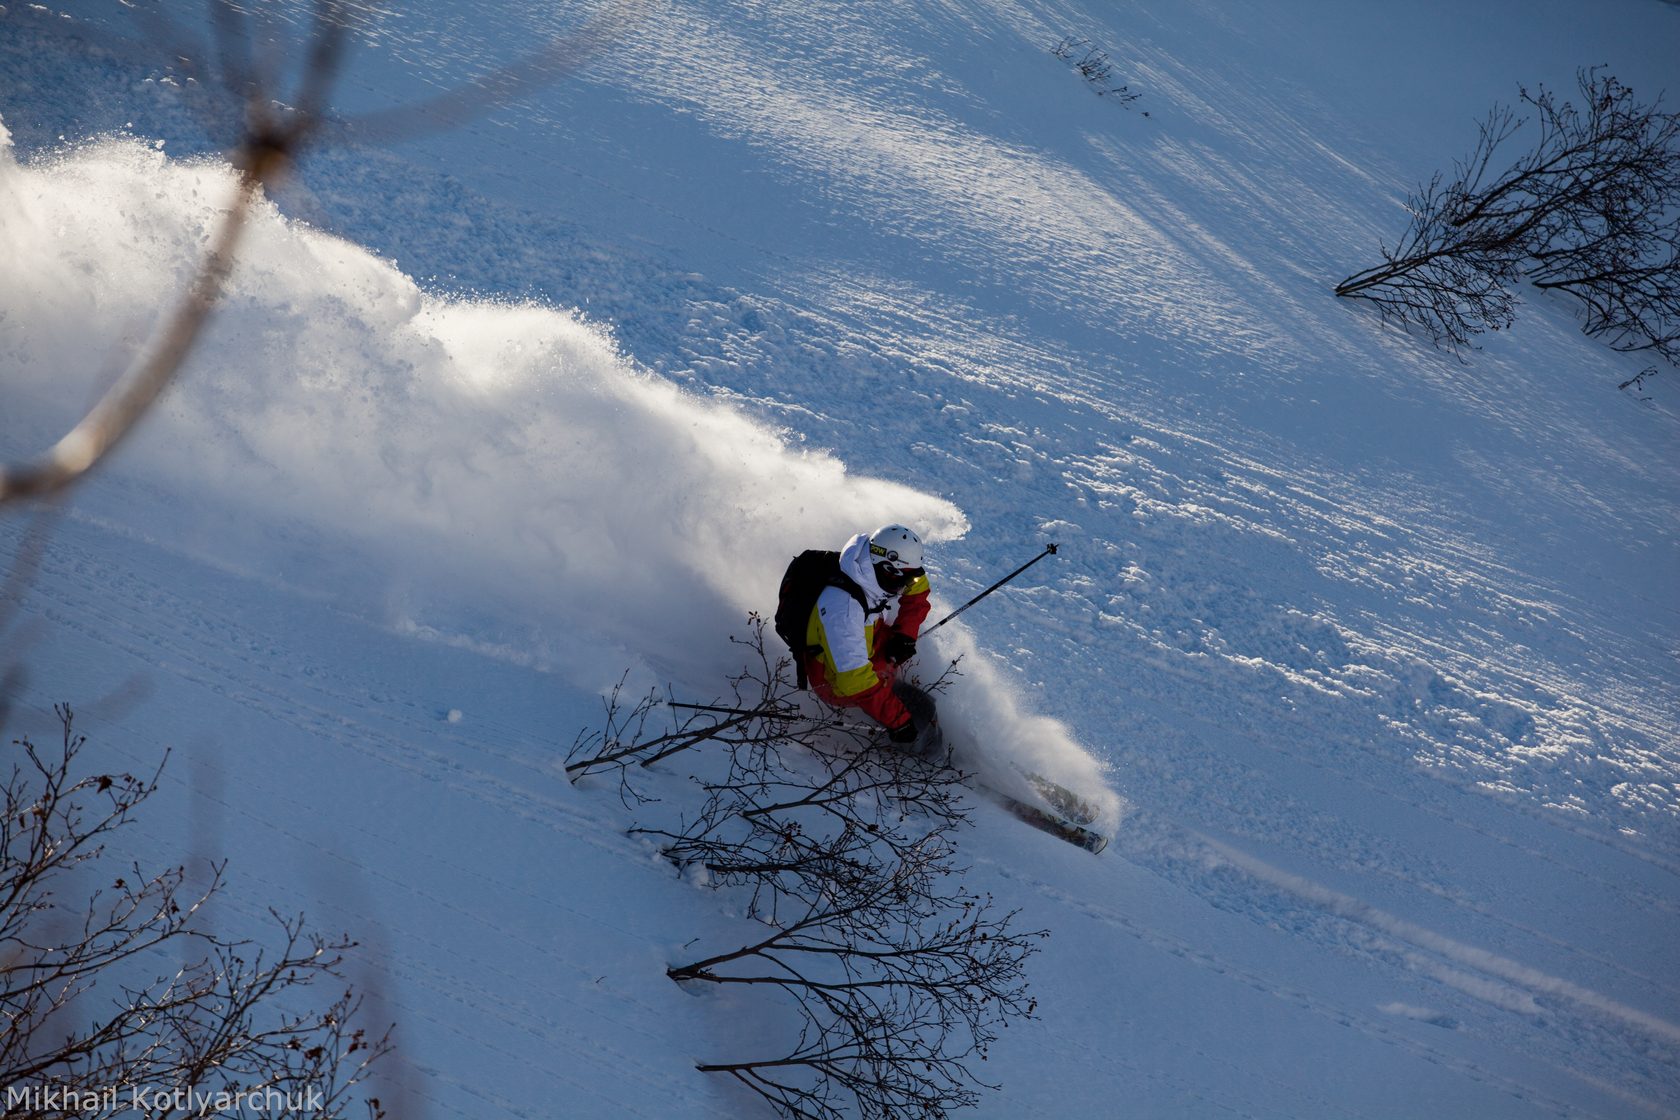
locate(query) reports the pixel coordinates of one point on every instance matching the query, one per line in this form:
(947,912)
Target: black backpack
(804,580)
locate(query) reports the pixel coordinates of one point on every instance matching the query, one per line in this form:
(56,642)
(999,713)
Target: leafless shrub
(1591,211)
(794,814)
(899,976)
(88,1020)
(1637,381)
(842,852)
(1095,67)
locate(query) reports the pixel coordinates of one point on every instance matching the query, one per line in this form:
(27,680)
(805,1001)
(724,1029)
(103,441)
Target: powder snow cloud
(455,464)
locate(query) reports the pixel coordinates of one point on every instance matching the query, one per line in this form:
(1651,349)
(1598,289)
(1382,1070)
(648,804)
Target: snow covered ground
(1379,648)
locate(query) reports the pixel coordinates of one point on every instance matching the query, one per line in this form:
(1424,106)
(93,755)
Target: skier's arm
(913,607)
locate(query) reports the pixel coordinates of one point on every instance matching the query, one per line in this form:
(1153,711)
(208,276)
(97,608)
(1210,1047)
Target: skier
(863,626)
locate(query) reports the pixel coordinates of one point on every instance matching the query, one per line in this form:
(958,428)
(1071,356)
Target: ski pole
(1049,550)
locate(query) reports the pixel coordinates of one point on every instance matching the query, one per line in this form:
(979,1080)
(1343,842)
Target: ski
(1064,814)
(1076,834)
(1062,800)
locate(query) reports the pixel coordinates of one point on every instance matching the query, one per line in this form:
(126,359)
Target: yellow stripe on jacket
(845,663)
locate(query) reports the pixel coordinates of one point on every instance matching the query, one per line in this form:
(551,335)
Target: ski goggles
(893,578)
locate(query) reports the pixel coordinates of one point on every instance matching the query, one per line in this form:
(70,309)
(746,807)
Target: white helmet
(897,547)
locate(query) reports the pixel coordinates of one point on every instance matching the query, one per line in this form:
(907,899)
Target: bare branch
(841,849)
(270,145)
(1094,65)
(272,142)
(763,710)
(217,1016)
(562,55)
(1592,211)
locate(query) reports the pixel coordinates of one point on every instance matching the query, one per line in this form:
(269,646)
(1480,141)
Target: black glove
(903,736)
(899,648)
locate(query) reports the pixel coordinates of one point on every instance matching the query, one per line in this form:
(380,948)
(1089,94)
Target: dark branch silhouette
(84,1011)
(763,710)
(900,978)
(1094,65)
(1591,211)
(842,852)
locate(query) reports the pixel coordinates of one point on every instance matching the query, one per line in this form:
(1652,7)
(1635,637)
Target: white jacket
(847,629)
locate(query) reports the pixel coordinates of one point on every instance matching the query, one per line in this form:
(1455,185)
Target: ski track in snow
(1341,1015)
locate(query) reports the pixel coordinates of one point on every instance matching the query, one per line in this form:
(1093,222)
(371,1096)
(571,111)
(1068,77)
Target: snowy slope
(1379,647)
